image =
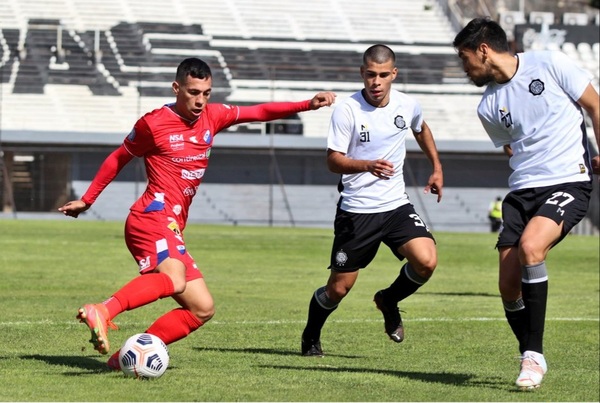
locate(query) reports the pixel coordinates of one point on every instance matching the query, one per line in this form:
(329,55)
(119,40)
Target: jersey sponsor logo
(399,122)
(144,263)
(176,141)
(192,158)
(506,117)
(364,134)
(536,87)
(196,174)
(173,226)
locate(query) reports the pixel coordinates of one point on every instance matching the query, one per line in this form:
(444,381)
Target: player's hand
(596,165)
(435,185)
(74,208)
(382,169)
(322,99)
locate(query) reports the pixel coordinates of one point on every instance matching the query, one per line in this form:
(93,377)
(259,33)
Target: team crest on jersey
(341,258)
(207,137)
(536,87)
(399,122)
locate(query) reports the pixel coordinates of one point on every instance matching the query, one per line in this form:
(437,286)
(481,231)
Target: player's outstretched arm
(279,110)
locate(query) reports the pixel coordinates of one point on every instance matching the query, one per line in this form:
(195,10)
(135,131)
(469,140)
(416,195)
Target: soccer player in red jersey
(175,142)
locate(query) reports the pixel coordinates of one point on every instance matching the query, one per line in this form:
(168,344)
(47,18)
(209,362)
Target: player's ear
(485,50)
(175,87)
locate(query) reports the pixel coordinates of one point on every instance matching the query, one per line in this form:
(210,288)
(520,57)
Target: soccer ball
(144,356)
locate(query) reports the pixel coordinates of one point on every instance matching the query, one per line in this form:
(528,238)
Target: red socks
(138,292)
(142,290)
(175,325)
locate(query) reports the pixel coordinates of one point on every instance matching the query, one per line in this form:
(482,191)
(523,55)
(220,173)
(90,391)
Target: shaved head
(379,54)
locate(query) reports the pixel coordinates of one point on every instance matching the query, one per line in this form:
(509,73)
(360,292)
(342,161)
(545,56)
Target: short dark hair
(379,54)
(192,67)
(482,30)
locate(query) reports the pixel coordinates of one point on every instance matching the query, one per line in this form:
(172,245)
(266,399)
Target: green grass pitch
(458,346)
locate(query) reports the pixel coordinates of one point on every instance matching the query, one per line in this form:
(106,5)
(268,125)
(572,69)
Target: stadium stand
(91,67)
(140,47)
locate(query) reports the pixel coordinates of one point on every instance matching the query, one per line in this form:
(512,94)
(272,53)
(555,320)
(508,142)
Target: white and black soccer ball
(144,356)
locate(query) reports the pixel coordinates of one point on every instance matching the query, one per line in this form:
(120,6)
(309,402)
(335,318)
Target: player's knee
(337,291)
(425,267)
(205,313)
(178,284)
(531,251)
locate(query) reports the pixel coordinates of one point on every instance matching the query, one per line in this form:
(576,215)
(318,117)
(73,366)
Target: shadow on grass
(446,378)
(271,351)
(90,364)
(461,294)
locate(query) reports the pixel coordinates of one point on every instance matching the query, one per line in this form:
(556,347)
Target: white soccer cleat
(533,369)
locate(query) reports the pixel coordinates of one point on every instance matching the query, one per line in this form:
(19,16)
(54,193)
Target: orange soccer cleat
(95,316)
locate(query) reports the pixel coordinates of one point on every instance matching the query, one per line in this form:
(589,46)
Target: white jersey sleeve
(340,128)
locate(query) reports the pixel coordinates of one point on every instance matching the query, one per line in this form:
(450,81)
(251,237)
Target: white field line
(292,322)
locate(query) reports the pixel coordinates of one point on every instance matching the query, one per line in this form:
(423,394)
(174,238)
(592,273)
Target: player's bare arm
(591,103)
(322,99)
(427,144)
(339,163)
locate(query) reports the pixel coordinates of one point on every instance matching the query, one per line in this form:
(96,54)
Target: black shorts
(564,203)
(358,236)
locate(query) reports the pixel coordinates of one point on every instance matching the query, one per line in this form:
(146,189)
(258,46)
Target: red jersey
(175,153)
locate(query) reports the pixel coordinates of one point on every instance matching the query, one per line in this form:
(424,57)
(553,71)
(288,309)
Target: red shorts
(153,237)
